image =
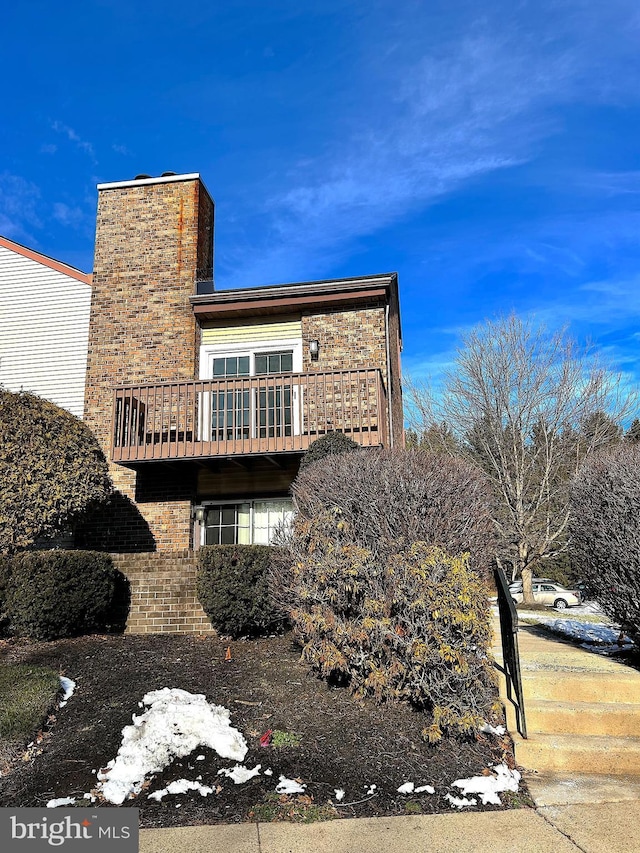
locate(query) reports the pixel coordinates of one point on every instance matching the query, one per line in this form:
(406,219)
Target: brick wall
(348,339)
(163,593)
(152,241)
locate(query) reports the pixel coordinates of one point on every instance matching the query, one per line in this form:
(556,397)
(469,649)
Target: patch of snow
(425,789)
(199,757)
(175,723)
(289,786)
(240,774)
(339,794)
(371,790)
(68,686)
(180,786)
(460,802)
(406,788)
(268,772)
(61,801)
(488,729)
(488,787)
(586,632)
(89,797)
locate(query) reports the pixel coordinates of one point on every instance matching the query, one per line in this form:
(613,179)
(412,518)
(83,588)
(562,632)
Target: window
(246,522)
(251,409)
(228,524)
(273,362)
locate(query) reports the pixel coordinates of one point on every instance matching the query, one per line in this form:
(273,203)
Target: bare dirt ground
(342,743)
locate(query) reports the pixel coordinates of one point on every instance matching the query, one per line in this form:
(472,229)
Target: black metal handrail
(510,655)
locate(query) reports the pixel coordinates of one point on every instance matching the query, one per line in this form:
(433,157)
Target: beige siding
(44,325)
(252,331)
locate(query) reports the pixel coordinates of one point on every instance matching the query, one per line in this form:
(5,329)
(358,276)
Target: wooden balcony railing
(247,415)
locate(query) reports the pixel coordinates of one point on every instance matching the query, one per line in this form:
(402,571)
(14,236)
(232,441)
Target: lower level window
(246,522)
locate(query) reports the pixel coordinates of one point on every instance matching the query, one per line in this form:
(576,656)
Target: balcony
(246,416)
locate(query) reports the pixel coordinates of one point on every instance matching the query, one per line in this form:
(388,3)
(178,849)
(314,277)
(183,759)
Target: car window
(548,588)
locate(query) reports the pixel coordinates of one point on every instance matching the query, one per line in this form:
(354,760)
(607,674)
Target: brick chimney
(154,240)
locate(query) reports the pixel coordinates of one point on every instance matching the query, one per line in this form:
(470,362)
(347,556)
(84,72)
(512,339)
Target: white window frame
(210,351)
(205,505)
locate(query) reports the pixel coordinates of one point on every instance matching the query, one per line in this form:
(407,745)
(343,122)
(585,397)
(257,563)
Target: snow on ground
(68,686)
(61,801)
(289,786)
(586,632)
(180,786)
(488,787)
(175,723)
(240,774)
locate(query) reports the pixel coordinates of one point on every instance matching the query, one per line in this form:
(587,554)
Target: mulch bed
(344,743)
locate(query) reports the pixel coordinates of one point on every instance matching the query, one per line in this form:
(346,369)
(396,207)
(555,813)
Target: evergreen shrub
(233,588)
(54,594)
(331,444)
(51,470)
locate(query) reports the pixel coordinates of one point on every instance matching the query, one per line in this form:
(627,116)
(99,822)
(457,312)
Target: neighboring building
(205,400)
(44,326)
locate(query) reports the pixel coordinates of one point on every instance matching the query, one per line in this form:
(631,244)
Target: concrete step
(582,718)
(623,686)
(579,754)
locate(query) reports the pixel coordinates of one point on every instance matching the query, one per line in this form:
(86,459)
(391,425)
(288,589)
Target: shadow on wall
(116,621)
(117,526)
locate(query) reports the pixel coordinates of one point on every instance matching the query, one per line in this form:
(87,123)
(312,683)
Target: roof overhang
(288,298)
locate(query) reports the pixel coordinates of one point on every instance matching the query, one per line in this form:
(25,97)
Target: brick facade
(349,338)
(163,593)
(153,239)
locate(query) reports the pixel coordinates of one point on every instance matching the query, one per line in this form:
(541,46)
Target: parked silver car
(549,593)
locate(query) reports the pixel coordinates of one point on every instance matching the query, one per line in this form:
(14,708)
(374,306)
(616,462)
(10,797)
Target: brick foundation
(163,593)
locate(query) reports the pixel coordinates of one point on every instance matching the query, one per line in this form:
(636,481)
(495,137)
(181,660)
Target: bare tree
(518,400)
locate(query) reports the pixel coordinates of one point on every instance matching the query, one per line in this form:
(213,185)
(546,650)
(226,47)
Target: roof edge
(322,286)
(145,182)
(45,260)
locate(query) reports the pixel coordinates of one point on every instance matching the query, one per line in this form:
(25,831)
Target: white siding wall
(44,330)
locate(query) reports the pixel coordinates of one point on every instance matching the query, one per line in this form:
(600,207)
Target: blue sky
(487,152)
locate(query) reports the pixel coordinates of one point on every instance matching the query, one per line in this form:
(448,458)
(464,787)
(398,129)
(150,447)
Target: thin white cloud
(73,217)
(74,137)
(482,103)
(18,207)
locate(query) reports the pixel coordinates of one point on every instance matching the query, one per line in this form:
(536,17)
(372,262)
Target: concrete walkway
(610,827)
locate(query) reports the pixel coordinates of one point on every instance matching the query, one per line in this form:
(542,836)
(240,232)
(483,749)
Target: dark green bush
(415,627)
(331,444)
(233,588)
(51,470)
(55,594)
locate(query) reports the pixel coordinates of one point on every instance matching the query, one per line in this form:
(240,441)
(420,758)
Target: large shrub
(383,580)
(53,594)
(233,588)
(605,532)
(413,627)
(51,470)
(391,496)
(331,444)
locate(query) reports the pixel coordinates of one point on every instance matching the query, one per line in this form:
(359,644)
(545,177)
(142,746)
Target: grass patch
(26,693)
(280,738)
(302,809)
